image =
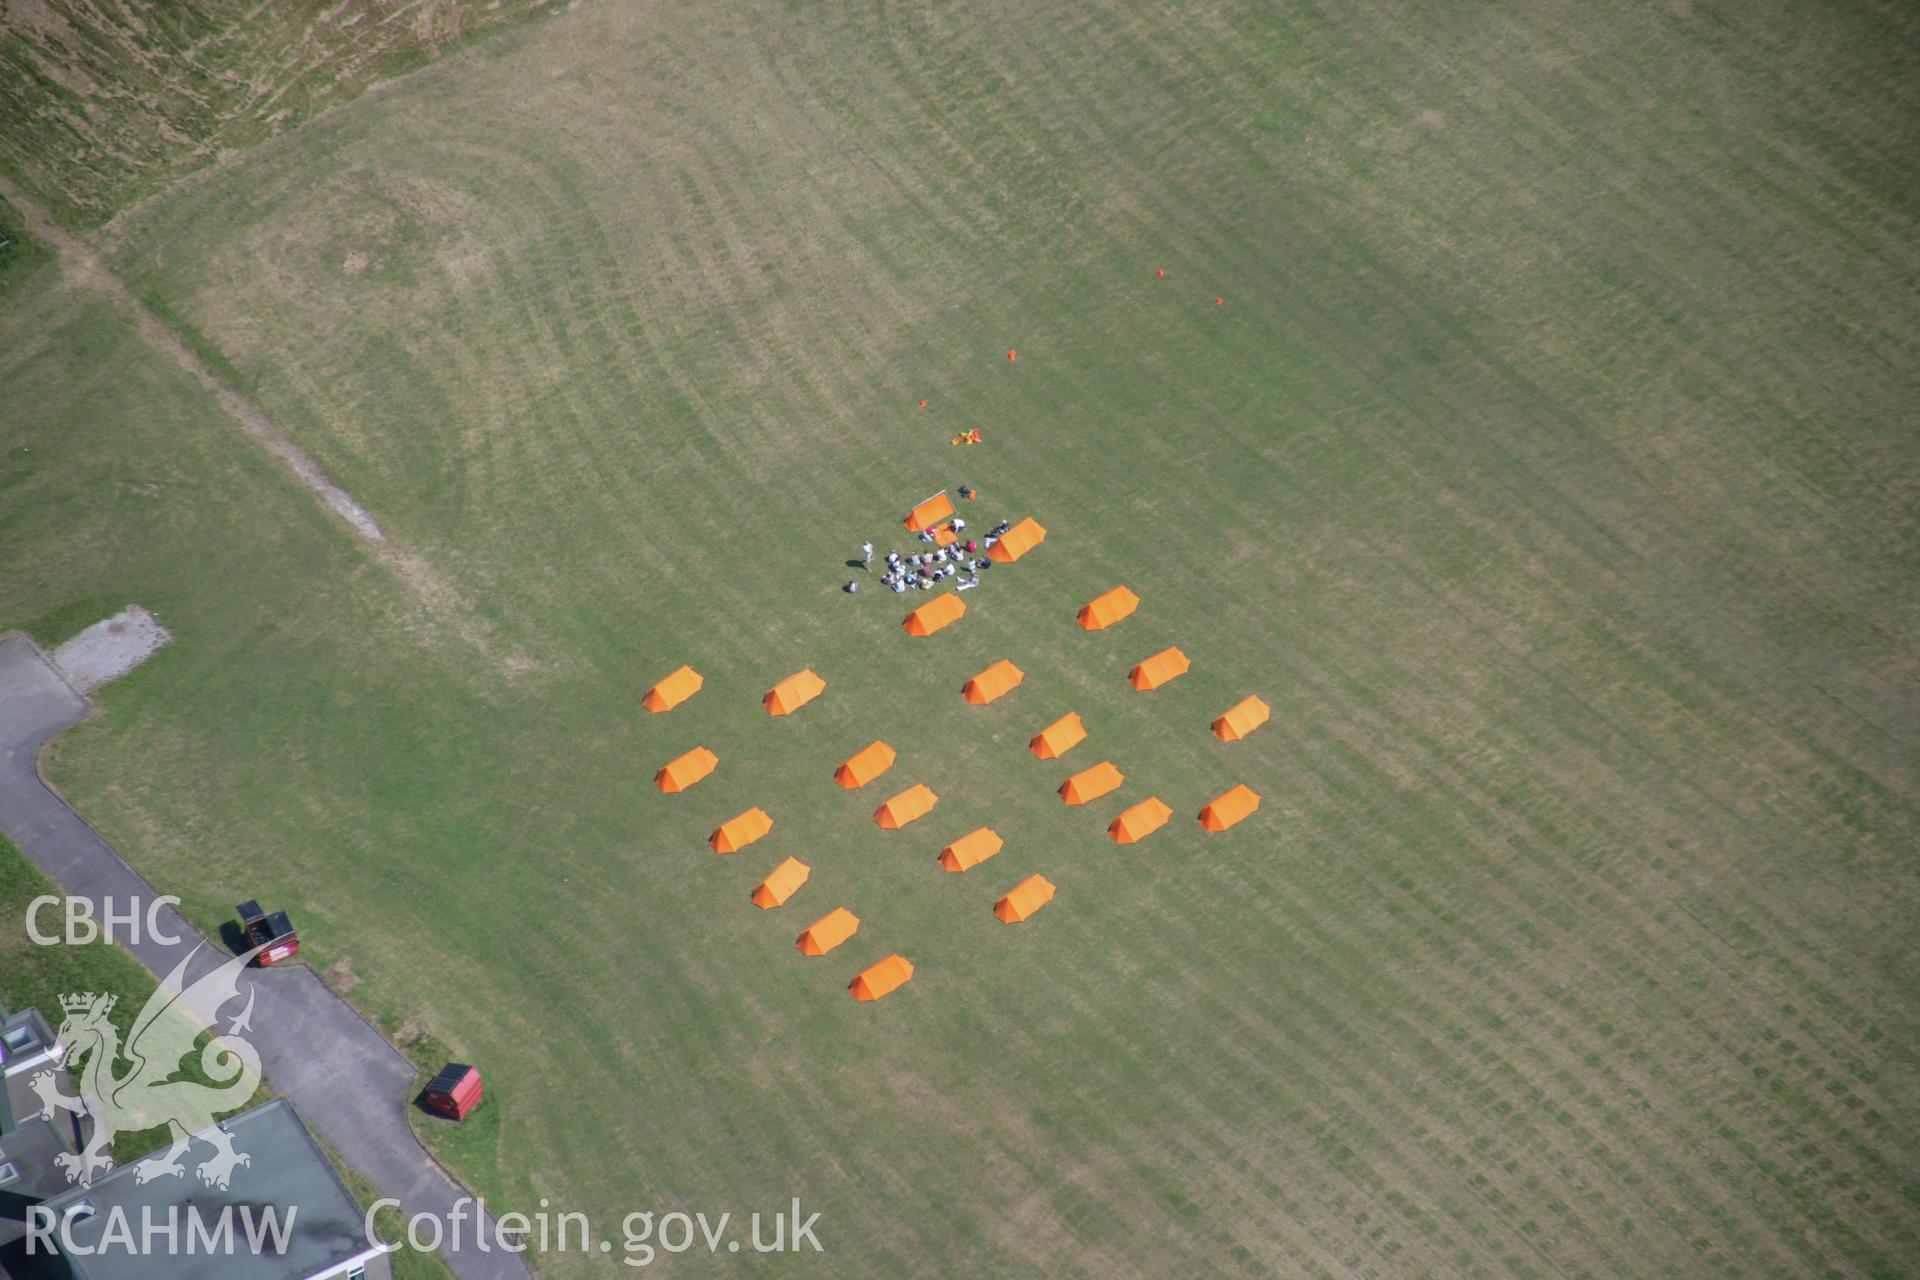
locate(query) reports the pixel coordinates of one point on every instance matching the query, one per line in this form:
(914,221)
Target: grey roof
(27,1047)
(29,1150)
(288,1174)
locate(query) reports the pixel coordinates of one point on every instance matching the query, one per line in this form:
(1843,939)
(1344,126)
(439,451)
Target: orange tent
(736,834)
(673,690)
(1001,677)
(971,849)
(1160,668)
(1091,784)
(1108,608)
(1242,719)
(879,979)
(793,693)
(935,614)
(1230,808)
(686,770)
(782,884)
(1017,541)
(1140,821)
(864,765)
(828,932)
(945,535)
(1027,897)
(916,801)
(1058,738)
(934,509)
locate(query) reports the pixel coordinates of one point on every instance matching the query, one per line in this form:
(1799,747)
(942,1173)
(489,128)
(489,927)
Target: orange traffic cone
(1012,355)
(1219,302)
(1161,272)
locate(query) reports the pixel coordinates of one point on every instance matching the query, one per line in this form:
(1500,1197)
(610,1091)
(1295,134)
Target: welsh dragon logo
(149,1093)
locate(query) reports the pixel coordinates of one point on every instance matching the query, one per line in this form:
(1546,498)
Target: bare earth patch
(340,976)
(109,649)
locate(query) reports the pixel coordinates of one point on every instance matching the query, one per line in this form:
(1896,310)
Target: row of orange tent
(946,609)
(1148,816)
(785,698)
(1110,607)
(834,928)
(876,980)
(937,513)
(1050,743)
(1068,732)
(1139,821)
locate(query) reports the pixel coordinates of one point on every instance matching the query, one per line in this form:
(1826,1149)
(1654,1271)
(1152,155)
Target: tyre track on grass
(425,585)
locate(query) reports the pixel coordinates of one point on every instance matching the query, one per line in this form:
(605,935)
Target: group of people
(924,570)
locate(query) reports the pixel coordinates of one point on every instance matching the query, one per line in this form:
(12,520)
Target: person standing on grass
(866,553)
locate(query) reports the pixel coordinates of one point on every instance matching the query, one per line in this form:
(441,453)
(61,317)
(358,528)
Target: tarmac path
(347,1080)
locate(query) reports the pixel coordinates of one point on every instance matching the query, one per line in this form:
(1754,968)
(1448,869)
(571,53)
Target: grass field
(1549,469)
(101,105)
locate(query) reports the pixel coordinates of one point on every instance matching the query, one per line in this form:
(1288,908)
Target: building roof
(27,1046)
(288,1174)
(28,1172)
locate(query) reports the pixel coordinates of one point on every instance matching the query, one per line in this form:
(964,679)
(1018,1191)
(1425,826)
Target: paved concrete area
(348,1082)
(110,648)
